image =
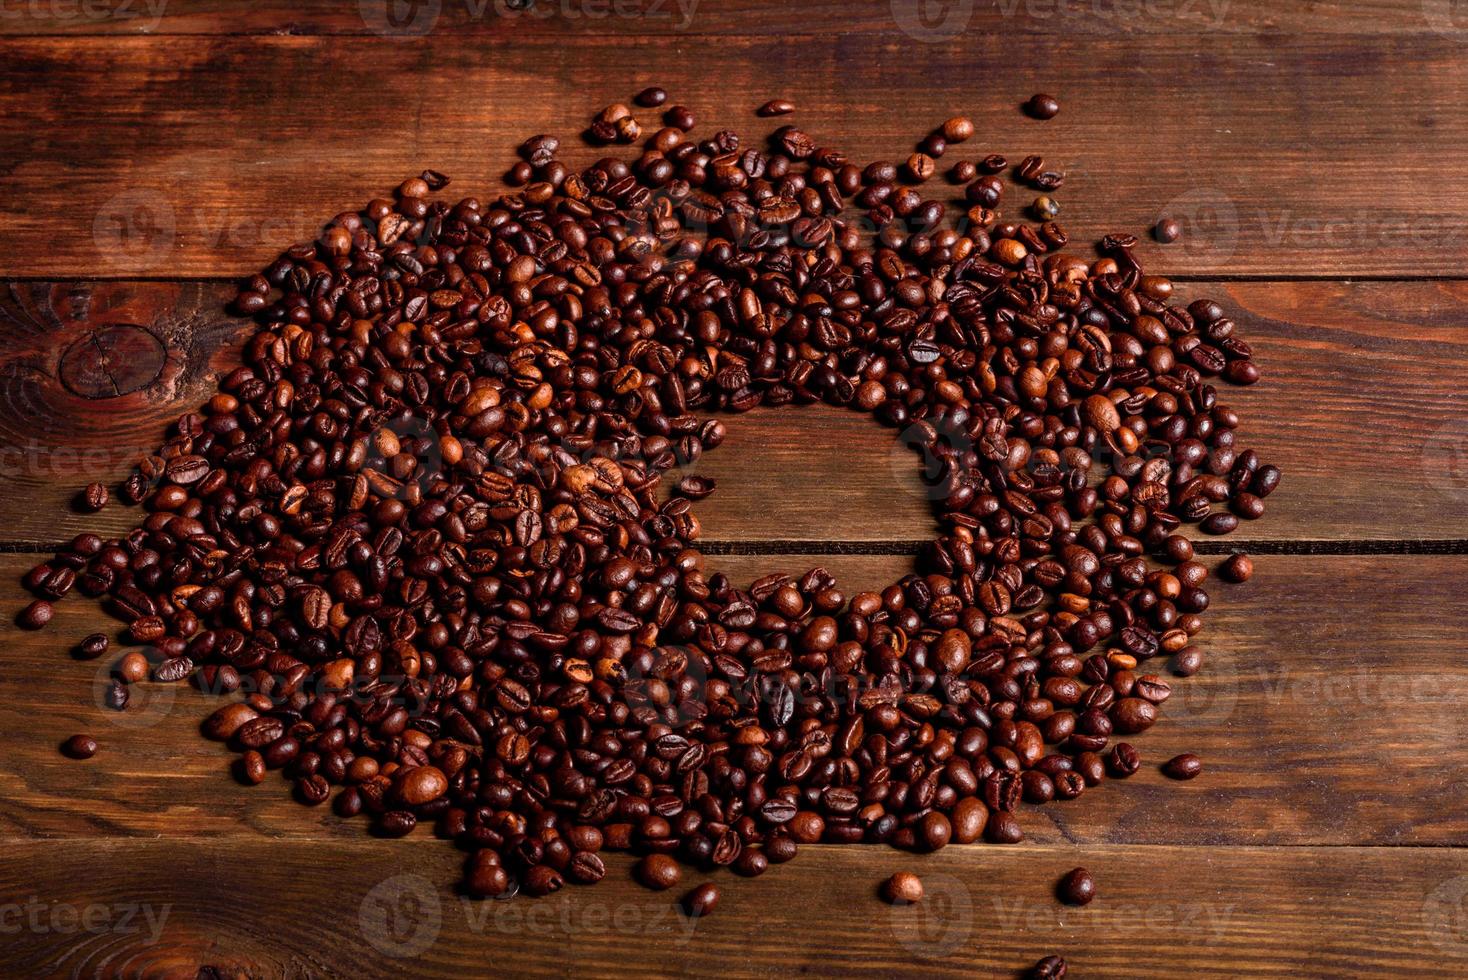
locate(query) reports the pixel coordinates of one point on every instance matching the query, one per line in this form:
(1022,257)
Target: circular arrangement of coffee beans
(421,533)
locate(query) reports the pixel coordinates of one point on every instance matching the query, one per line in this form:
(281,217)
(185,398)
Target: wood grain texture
(1353,735)
(385,909)
(578,18)
(1361,405)
(1259,145)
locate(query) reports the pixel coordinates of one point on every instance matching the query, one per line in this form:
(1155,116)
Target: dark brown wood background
(1315,152)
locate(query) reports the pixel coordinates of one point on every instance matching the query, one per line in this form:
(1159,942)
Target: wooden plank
(380,908)
(577,18)
(1361,380)
(174,156)
(1353,735)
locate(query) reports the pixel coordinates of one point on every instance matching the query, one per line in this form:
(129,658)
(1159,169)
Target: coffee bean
(1077,887)
(226,721)
(658,872)
(252,767)
(777,107)
(93,646)
(93,497)
(541,880)
(1123,760)
(396,823)
(903,888)
(958,129)
(132,667)
(1185,766)
(35,616)
(934,831)
(751,863)
(80,747)
(1049,968)
(702,901)
(1187,661)
(1167,230)
(1042,106)
(651,98)
(586,868)
(1236,568)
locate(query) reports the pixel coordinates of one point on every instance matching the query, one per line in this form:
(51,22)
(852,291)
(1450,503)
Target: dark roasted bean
(1077,887)
(903,888)
(80,747)
(702,901)
(1185,766)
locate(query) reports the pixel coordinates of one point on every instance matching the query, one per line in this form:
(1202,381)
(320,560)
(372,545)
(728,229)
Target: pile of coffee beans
(422,534)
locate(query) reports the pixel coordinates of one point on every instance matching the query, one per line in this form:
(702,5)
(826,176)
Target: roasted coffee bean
(93,646)
(93,497)
(702,901)
(1123,760)
(1042,106)
(1167,230)
(1185,766)
(1236,568)
(903,888)
(1049,968)
(586,868)
(658,872)
(1077,887)
(80,747)
(651,97)
(34,616)
(777,107)
(423,521)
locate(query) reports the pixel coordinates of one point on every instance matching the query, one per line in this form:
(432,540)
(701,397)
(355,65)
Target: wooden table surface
(151,152)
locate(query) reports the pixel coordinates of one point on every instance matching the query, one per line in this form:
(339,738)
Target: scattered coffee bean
(903,888)
(1042,106)
(80,746)
(702,901)
(651,98)
(958,129)
(93,646)
(777,107)
(93,497)
(1167,230)
(35,616)
(1077,887)
(1050,968)
(1185,766)
(1236,568)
